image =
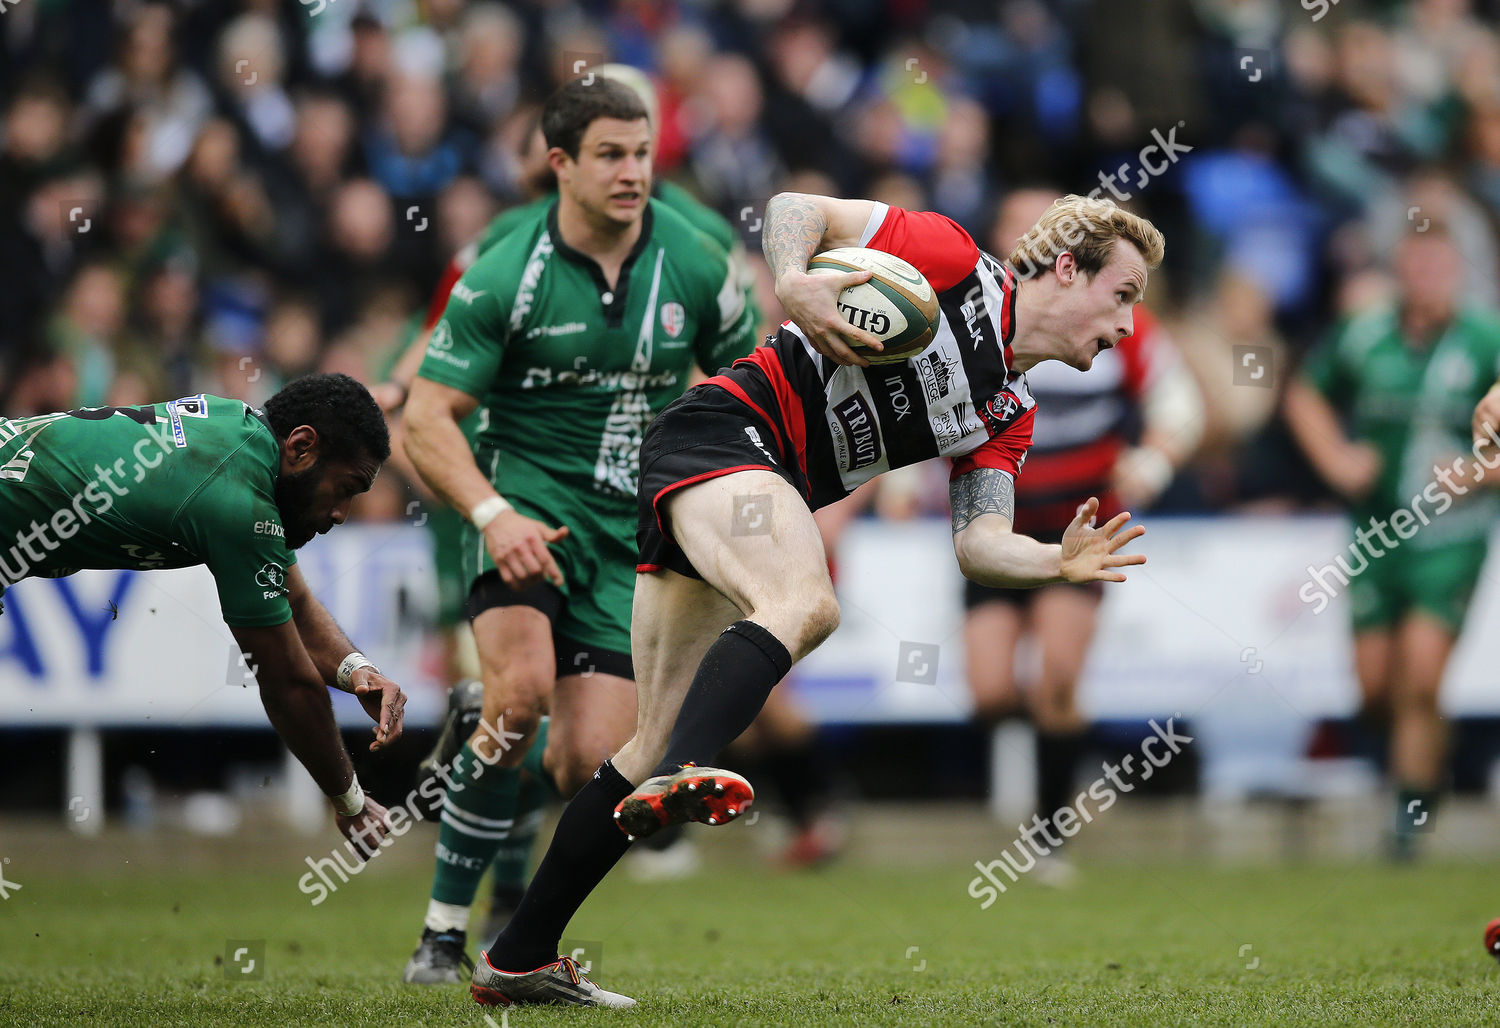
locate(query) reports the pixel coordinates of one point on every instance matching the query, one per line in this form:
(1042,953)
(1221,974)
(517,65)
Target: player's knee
(1053,719)
(1419,698)
(990,710)
(507,724)
(819,619)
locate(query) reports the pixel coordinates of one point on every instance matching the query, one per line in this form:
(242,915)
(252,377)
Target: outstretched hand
(1089,554)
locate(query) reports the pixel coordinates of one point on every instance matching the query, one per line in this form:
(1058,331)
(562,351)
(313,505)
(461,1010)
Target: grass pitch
(144,945)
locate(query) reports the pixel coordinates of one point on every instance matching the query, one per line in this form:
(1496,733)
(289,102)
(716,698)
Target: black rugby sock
(734,678)
(1057,758)
(584,848)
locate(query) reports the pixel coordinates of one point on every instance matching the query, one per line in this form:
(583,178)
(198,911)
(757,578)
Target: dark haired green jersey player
(1383,412)
(208,480)
(567,336)
(446,525)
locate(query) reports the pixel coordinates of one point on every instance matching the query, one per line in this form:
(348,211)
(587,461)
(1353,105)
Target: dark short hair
(342,411)
(572,109)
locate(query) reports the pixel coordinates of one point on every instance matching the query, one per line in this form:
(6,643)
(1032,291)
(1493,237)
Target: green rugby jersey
(569,372)
(167,485)
(702,217)
(1414,406)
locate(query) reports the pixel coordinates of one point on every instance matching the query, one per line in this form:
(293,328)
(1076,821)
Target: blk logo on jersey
(673,318)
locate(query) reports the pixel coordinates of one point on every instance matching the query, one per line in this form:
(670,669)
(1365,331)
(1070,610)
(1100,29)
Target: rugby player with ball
(733,587)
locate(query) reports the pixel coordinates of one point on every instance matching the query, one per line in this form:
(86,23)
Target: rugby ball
(897,305)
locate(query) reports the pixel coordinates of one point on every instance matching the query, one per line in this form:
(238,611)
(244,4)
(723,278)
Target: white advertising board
(1212,624)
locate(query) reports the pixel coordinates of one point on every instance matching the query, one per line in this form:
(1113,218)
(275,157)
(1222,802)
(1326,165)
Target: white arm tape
(351,664)
(351,802)
(488,510)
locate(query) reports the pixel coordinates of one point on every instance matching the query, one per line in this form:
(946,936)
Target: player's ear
(300,448)
(1066,268)
(557,159)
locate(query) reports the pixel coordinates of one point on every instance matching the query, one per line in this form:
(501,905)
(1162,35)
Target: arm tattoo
(793,232)
(981,491)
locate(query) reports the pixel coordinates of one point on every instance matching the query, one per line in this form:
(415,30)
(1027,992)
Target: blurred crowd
(216,197)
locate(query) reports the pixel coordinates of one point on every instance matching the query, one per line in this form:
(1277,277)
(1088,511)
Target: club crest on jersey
(673,318)
(442,337)
(999,410)
(271,577)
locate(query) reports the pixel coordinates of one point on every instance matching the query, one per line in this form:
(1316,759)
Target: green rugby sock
(533,760)
(508,873)
(479,807)
(513,858)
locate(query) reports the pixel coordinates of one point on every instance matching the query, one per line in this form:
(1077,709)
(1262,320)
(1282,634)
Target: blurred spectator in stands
(1482,169)
(1020,67)
(960,178)
(360,228)
(812,84)
(488,82)
(147,79)
(225,213)
(410,150)
(732,156)
(513,159)
(1374,134)
(683,53)
(166,320)
(363,84)
(321,156)
(898,189)
(88,331)
(37,245)
(34,146)
(1428,197)
(1230,343)
(293,338)
(250,69)
(463,211)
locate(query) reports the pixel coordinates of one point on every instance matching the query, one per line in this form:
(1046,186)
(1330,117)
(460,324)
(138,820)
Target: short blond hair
(1086,227)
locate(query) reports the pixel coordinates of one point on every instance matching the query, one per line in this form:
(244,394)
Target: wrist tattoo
(794,229)
(981,491)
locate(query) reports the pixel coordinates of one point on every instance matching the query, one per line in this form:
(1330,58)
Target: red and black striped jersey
(1083,427)
(958,398)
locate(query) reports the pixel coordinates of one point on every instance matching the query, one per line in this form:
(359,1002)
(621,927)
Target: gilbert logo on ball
(897,305)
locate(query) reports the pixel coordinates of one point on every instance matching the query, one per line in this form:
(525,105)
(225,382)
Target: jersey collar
(614,307)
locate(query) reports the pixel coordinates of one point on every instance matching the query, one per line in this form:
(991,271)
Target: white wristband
(488,510)
(351,664)
(352,801)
